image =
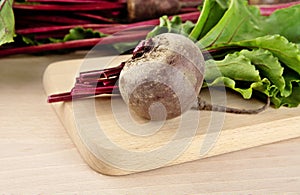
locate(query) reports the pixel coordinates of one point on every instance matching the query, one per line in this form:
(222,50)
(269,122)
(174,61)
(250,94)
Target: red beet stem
(267,10)
(122,37)
(77,93)
(58,19)
(85,85)
(83,43)
(60,97)
(68,1)
(193,16)
(98,73)
(50,47)
(91,83)
(96,17)
(84,7)
(93,90)
(50,29)
(188,10)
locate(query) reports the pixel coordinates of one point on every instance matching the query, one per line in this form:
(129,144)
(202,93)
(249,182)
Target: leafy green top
(255,52)
(7,22)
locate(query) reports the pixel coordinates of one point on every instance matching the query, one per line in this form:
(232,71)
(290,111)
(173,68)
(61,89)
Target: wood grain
(92,122)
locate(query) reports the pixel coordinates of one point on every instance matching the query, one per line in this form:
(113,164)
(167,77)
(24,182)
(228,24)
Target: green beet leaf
(234,66)
(287,52)
(75,33)
(262,86)
(7,22)
(211,13)
(165,25)
(78,33)
(292,89)
(291,101)
(238,73)
(262,53)
(291,79)
(268,66)
(284,22)
(243,22)
(174,25)
(239,22)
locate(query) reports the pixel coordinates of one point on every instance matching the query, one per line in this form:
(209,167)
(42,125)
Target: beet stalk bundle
(41,25)
(39,22)
(41,35)
(91,83)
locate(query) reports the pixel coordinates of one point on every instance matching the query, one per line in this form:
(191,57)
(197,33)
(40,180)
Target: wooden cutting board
(113,141)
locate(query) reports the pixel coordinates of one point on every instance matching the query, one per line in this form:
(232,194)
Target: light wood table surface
(38,157)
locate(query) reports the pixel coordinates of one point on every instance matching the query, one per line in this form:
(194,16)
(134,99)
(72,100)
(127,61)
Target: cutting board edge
(225,138)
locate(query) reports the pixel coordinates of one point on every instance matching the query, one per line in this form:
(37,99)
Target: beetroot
(146,9)
(151,8)
(164,77)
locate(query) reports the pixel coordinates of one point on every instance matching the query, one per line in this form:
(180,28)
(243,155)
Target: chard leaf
(211,13)
(7,22)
